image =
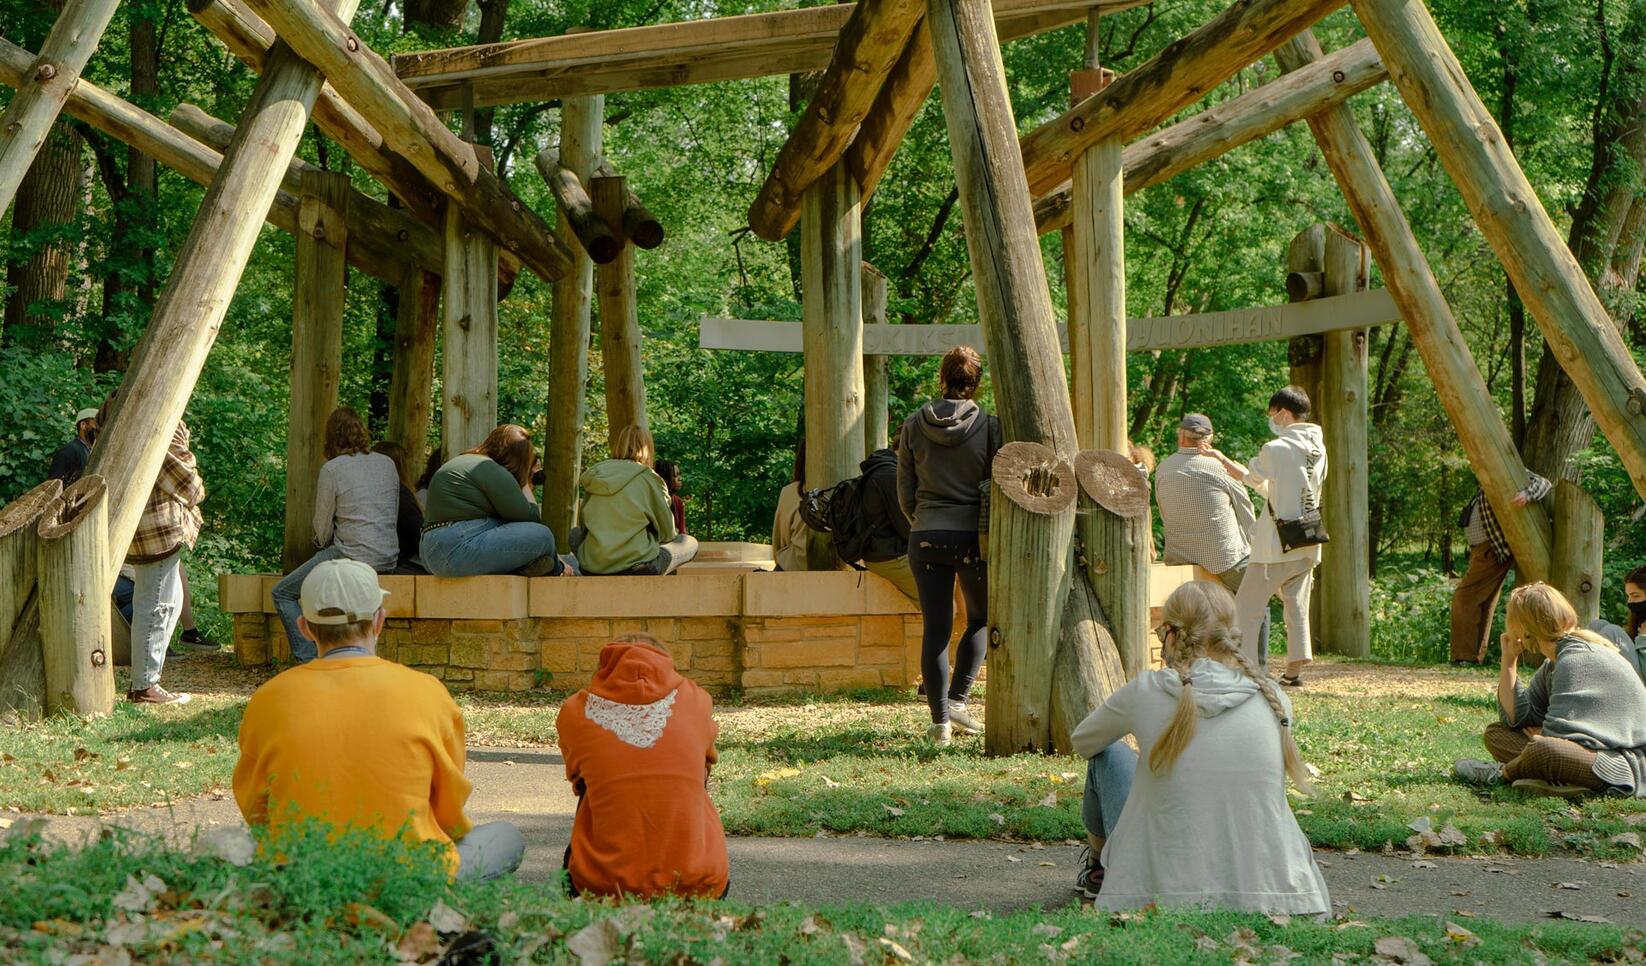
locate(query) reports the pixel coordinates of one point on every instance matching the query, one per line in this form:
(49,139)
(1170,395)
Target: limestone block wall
(756,631)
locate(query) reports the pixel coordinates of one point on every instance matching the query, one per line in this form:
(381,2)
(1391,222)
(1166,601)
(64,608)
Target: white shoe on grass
(1479,772)
(962,719)
(941,734)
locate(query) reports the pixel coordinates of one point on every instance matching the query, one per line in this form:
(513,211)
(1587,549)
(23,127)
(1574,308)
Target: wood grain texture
(1087,668)
(1342,620)
(620,340)
(1189,143)
(1178,76)
(869,46)
(576,208)
(28,118)
(411,380)
(22,671)
(319,292)
(468,326)
(76,651)
(831,258)
(1577,568)
(411,129)
(639,225)
(876,390)
(1435,331)
(204,275)
(1112,549)
(1097,316)
(581,126)
(1576,325)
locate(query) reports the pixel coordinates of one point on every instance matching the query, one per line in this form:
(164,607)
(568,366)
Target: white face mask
(1275,427)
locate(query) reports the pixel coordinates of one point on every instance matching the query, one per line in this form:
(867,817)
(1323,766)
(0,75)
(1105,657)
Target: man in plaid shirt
(170,522)
(1490,561)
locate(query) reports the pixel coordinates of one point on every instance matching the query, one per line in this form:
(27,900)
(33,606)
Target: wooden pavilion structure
(1070,515)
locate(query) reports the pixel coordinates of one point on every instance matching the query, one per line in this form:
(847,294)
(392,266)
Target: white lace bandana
(639,725)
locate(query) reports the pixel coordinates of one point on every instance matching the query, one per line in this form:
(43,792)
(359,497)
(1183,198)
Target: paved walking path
(528,787)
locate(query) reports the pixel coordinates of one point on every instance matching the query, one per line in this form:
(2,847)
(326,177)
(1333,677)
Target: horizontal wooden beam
(1200,331)
(1161,156)
(382,240)
(1184,72)
(673,54)
(411,128)
(870,44)
(249,38)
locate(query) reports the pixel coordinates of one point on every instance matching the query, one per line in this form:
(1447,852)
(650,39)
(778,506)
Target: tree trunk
(1112,547)
(619,324)
(493,15)
(128,296)
(876,402)
(411,387)
(74,617)
(1342,620)
(1580,542)
(1097,323)
(436,14)
(469,333)
(42,239)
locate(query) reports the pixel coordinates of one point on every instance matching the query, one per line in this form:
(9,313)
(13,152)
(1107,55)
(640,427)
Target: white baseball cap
(84,415)
(341,592)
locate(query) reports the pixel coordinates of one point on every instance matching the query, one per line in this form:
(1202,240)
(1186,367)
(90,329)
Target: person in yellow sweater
(357,741)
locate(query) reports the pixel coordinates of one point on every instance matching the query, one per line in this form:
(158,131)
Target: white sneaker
(941,734)
(962,720)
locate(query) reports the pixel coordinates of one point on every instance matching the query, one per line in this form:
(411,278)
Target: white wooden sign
(1356,311)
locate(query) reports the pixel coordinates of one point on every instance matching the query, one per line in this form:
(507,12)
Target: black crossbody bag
(1309,529)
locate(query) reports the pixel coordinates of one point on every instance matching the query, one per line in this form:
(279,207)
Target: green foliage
(356,900)
(1411,617)
(39,397)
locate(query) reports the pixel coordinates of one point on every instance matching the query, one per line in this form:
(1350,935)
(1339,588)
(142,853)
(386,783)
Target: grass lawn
(1383,738)
(124,899)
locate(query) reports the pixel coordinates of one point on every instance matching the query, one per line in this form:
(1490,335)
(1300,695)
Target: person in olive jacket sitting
(627,524)
(480,518)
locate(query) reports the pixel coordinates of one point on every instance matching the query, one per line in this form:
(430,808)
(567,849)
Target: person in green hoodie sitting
(627,523)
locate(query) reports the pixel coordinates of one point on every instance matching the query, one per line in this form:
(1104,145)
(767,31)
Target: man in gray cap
(70,460)
(1206,514)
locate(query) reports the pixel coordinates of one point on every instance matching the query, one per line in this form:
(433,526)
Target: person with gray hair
(1206,514)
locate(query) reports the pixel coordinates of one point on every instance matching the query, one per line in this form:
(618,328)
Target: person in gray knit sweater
(1579,725)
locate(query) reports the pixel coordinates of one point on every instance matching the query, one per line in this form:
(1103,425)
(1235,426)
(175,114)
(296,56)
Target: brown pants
(1473,602)
(1555,760)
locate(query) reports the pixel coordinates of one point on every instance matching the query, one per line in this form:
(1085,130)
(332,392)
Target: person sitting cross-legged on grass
(357,741)
(1579,725)
(1206,823)
(638,744)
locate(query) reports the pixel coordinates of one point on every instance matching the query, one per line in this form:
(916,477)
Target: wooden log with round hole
(74,605)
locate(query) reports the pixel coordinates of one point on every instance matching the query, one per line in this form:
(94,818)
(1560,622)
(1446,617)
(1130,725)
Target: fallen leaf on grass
(1013,858)
(419,943)
(1050,801)
(139,896)
(892,810)
(895,950)
(1638,818)
(447,920)
(1577,916)
(1384,882)
(596,944)
(1281,920)
(1462,936)
(1399,949)
(980,914)
(1631,839)
(1353,797)
(998,818)
(767,777)
(1048,930)
(84,754)
(830,782)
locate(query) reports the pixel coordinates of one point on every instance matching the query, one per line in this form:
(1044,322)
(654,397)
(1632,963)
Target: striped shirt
(1207,516)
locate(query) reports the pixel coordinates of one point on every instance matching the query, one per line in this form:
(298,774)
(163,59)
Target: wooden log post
(639,225)
(411,380)
(22,667)
(1579,330)
(1341,622)
(28,118)
(1031,527)
(169,357)
(1031,555)
(870,44)
(1087,662)
(410,128)
(576,208)
(468,332)
(876,388)
(619,323)
(1112,544)
(1097,285)
(831,258)
(581,126)
(319,291)
(1579,552)
(1306,259)
(1457,380)
(75,640)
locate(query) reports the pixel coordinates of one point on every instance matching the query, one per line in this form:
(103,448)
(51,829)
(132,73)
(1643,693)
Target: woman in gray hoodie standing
(943,459)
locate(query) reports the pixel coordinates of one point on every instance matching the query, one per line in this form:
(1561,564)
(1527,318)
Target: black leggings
(937,557)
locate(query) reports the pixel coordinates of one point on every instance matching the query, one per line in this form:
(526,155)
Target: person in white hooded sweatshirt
(1205,824)
(1288,472)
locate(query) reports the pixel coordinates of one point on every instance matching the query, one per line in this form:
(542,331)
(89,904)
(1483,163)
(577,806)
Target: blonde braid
(1181,730)
(1288,744)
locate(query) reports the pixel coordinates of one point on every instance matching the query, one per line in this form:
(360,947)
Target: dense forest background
(91,237)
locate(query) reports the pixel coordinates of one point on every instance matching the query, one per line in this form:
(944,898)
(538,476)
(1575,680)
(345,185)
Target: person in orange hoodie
(638,745)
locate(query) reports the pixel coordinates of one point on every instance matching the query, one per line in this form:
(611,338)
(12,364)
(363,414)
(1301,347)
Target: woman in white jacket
(1288,472)
(1206,823)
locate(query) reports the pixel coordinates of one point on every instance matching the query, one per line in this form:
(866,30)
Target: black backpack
(838,510)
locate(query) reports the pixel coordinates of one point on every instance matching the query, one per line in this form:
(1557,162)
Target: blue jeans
(156,604)
(1108,782)
(470,548)
(288,604)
